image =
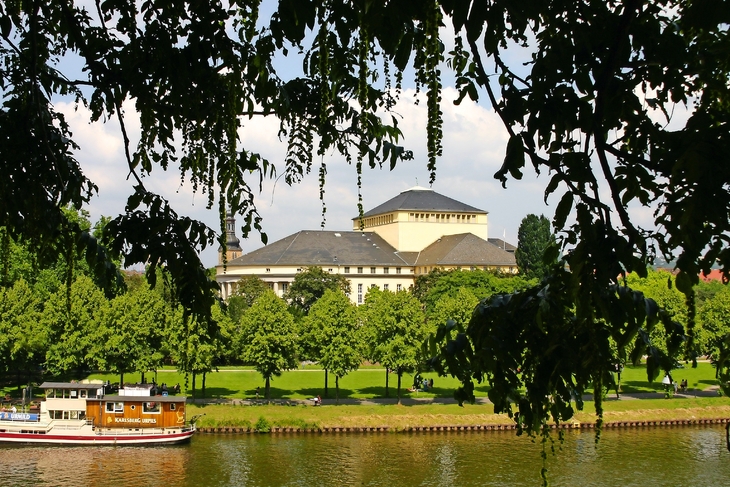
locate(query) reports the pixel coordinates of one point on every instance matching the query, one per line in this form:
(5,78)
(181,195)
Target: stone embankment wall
(487,427)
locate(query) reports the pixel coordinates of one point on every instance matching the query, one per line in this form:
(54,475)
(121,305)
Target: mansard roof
(465,249)
(324,248)
(422,199)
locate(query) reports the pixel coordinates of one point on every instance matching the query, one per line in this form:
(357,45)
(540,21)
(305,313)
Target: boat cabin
(132,407)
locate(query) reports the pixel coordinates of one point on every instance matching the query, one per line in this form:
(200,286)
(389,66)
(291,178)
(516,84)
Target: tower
(233,244)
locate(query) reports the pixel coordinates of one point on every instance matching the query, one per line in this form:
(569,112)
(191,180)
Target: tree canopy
(623,104)
(533,239)
(311,284)
(267,338)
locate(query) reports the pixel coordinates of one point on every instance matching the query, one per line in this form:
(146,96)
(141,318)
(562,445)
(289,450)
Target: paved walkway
(411,401)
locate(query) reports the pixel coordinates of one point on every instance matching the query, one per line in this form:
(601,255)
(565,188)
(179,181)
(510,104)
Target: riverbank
(292,417)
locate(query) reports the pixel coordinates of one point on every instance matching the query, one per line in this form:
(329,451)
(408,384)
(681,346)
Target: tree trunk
(268,387)
(194,386)
(204,373)
(337,389)
(142,378)
(121,379)
(325,383)
(400,374)
(387,393)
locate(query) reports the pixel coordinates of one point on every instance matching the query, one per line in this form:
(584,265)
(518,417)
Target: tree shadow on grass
(628,386)
(211,392)
(319,391)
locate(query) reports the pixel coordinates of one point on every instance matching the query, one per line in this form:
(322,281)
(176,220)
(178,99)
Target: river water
(677,456)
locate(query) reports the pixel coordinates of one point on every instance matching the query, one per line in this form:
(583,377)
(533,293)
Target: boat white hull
(102,437)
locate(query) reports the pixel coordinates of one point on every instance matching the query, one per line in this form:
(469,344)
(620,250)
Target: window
(268,269)
(385,287)
(151,407)
(83,393)
(115,407)
(373,286)
(359,294)
(398,287)
(372,270)
(172,406)
(271,286)
(359,270)
(284,286)
(397,270)
(386,270)
(74,394)
(347,270)
(329,270)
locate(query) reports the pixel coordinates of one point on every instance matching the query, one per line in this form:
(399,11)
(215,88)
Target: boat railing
(142,431)
(68,427)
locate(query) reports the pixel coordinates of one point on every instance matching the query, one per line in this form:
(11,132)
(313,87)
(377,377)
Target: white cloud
(474,144)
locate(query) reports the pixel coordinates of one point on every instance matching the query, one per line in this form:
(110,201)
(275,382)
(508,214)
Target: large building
(417,231)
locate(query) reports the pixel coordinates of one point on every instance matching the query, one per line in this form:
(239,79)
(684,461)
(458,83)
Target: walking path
(411,401)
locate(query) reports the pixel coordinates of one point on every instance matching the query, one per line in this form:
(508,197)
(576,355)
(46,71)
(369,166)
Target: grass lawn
(240,383)
(369,382)
(366,383)
(633,378)
(403,416)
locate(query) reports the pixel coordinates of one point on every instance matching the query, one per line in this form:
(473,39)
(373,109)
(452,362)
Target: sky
(474,142)
(473,148)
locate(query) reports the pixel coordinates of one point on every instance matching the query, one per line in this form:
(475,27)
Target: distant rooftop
(418,198)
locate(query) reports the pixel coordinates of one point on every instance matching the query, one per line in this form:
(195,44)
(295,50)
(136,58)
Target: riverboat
(80,413)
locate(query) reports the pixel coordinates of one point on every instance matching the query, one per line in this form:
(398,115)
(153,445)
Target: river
(677,456)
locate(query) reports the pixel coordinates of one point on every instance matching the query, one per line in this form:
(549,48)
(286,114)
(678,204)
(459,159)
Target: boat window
(74,393)
(172,406)
(83,393)
(67,415)
(115,407)
(59,393)
(50,394)
(92,393)
(82,414)
(151,407)
(74,414)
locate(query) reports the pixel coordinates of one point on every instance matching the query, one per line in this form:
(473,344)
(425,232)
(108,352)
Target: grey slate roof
(465,249)
(502,244)
(422,199)
(324,248)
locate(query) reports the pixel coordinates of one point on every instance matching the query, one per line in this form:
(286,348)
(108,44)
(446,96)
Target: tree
(457,306)
(331,331)
(130,338)
(248,289)
(267,339)
(394,328)
(23,342)
(623,104)
(194,346)
(72,321)
(714,321)
(430,288)
(533,239)
(311,284)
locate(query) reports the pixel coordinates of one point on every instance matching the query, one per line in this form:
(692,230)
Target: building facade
(411,234)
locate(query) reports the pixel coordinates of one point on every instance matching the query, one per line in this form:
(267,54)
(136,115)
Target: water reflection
(92,466)
(630,457)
